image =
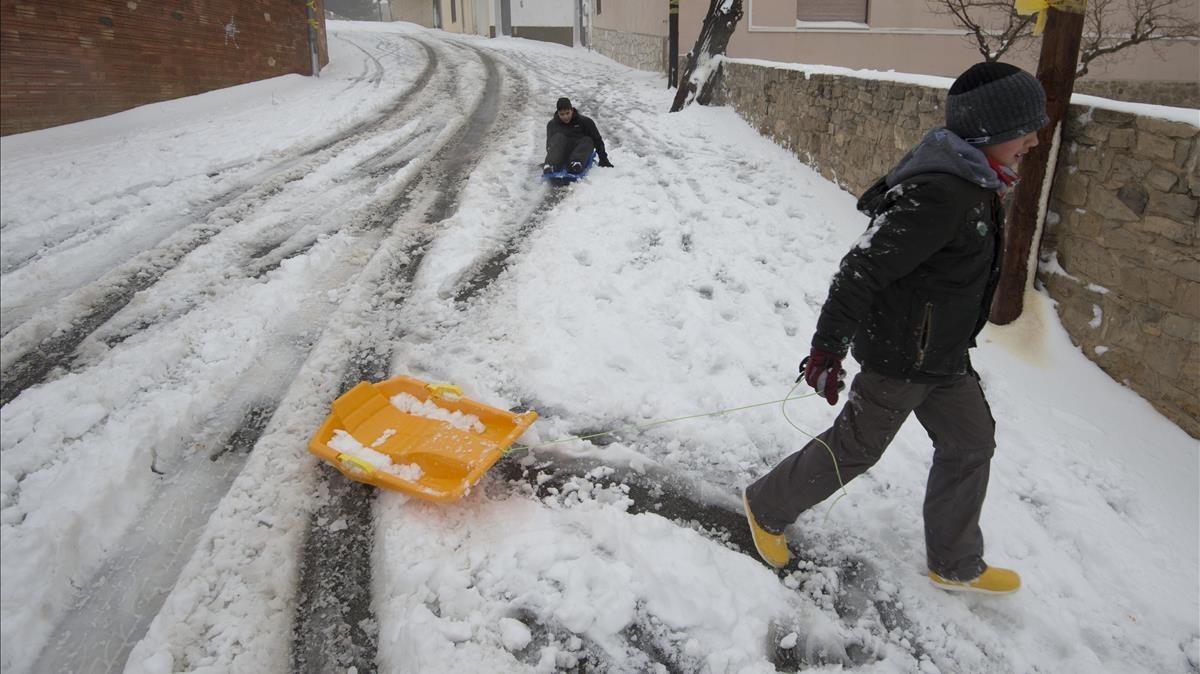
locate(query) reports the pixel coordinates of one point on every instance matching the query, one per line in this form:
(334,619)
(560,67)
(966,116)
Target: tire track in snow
(335,627)
(485,272)
(115,609)
(346,136)
(285,243)
(115,290)
(82,632)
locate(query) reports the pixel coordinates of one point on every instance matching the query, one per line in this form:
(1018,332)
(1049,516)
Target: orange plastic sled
(450,460)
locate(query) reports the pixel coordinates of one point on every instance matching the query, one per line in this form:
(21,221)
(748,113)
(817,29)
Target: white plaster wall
(543,12)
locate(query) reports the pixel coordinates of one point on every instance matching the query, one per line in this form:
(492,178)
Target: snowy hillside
(188,285)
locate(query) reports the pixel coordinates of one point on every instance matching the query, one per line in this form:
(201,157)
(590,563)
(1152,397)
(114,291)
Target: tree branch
(971,15)
(1147,21)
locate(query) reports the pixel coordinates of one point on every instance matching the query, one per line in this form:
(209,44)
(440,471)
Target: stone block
(1076,317)
(1152,146)
(1191,369)
(1170,229)
(1092,224)
(1180,207)
(1088,260)
(1145,314)
(1180,327)
(1187,299)
(1113,117)
(1187,268)
(1167,356)
(1135,197)
(1122,240)
(1127,335)
(1162,287)
(1162,127)
(1121,138)
(1126,169)
(1089,159)
(1182,149)
(1133,283)
(1106,202)
(1161,179)
(1072,189)
(1090,134)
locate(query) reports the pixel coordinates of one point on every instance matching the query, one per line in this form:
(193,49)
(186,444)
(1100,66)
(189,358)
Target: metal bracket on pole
(673,44)
(310,10)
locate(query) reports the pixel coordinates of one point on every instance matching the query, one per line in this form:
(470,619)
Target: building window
(823,11)
(453,14)
(597,6)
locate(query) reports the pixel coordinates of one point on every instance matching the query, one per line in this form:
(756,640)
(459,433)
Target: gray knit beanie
(994,102)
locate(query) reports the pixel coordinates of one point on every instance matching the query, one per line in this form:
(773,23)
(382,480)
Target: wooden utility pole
(673,44)
(719,24)
(1056,71)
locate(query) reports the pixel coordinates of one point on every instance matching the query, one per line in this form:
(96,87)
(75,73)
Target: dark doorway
(580,26)
(506,17)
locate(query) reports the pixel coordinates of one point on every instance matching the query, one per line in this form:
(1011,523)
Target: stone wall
(851,130)
(1122,261)
(1122,228)
(1177,94)
(644,52)
(63,62)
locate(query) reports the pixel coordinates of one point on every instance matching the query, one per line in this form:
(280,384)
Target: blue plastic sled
(562,176)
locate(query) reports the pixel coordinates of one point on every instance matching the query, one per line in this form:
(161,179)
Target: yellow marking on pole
(1040,7)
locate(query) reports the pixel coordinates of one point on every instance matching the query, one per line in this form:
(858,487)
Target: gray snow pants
(955,414)
(562,149)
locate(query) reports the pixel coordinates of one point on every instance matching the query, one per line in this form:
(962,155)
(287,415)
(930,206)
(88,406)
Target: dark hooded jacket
(915,290)
(577,128)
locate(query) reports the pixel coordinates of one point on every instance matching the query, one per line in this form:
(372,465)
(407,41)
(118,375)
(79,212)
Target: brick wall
(62,62)
(1122,240)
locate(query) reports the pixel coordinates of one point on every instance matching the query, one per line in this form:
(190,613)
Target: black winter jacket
(577,128)
(916,289)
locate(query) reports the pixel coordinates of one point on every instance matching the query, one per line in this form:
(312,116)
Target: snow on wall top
(1185,115)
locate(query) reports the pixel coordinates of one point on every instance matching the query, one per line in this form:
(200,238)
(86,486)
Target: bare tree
(1108,29)
(992,25)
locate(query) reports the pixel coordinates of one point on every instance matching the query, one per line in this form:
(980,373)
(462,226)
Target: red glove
(823,371)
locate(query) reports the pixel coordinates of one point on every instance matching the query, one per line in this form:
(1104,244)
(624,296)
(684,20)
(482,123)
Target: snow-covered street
(187,286)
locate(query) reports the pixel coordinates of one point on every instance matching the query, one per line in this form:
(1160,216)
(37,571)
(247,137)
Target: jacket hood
(941,151)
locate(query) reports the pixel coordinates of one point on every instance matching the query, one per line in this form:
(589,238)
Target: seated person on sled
(570,140)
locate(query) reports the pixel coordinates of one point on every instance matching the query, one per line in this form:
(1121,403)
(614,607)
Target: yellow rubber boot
(771,547)
(993,580)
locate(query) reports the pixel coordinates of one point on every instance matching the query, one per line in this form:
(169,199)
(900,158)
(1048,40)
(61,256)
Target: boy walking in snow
(909,300)
(570,140)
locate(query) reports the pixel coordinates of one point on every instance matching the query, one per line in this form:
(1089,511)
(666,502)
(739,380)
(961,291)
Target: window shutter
(831,10)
